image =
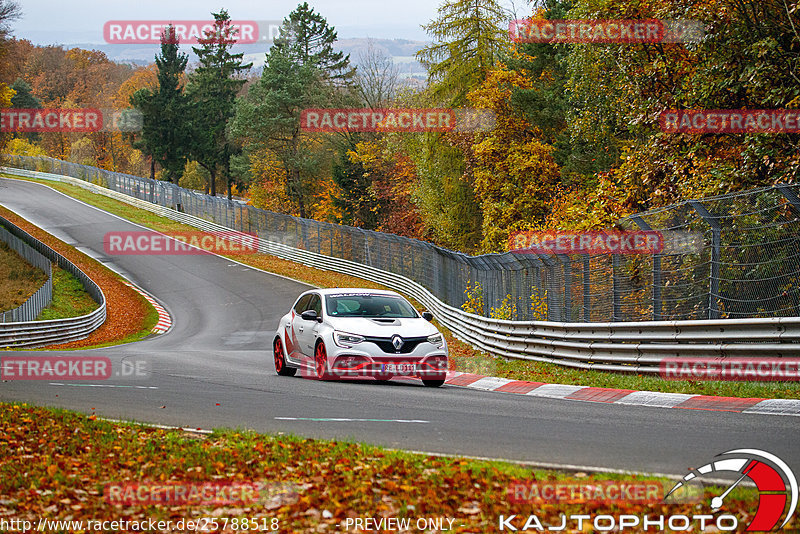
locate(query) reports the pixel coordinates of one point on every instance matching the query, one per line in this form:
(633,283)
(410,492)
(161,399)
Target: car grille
(385,344)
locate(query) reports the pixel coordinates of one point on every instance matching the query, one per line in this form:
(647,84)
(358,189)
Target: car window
(316,305)
(368,306)
(300,307)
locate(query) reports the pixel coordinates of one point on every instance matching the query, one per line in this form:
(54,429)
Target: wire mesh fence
(748,265)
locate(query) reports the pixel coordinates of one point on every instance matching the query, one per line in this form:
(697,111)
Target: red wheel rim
(278,350)
(320,360)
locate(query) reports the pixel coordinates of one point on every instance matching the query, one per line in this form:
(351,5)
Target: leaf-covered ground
(129,315)
(56,464)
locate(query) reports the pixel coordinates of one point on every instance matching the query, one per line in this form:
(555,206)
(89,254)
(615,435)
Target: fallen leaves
(57,463)
(126,310)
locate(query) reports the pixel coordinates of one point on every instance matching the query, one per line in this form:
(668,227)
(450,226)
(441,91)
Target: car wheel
(280,359)
(321,361)
(433,382)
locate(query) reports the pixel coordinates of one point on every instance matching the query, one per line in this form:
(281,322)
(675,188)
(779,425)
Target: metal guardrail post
(716,244)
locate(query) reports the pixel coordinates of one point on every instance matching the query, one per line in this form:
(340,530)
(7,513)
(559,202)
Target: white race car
(331,333)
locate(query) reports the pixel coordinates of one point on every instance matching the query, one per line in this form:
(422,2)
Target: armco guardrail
(41,333)
(748,265)
(33,306)
(619,346)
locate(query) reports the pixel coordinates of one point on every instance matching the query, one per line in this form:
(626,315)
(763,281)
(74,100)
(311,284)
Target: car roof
(354,290)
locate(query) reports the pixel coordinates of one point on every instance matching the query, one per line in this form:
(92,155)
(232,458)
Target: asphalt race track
(214,369)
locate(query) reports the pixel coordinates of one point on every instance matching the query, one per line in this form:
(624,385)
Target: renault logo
(397,341)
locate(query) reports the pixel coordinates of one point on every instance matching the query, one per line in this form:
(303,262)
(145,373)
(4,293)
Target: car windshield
(362,305)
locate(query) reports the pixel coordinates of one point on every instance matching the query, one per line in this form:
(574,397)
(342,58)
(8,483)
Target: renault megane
(332,333)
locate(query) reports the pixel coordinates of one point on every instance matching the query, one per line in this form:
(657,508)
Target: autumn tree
(515,173)
(9,11)
(468,37)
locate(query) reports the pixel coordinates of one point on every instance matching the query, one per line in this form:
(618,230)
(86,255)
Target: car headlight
(346,340)
(436,339)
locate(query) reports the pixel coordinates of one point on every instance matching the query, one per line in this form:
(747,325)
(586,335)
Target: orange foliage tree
(515,175)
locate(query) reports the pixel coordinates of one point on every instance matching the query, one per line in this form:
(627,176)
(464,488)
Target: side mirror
(309,315)
(428,316)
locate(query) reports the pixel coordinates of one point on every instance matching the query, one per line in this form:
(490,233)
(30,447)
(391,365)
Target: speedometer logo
(769,473)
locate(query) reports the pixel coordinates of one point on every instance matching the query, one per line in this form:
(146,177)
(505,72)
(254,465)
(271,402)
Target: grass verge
(58,464)
(70,299)
(464,357)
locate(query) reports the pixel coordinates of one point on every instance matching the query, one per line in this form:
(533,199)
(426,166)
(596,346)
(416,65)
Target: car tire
(433,382)
(280,359)
(321,362)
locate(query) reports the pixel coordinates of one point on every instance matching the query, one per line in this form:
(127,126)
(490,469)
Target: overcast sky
(77,21)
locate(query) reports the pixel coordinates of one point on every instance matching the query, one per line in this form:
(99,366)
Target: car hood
(383,327)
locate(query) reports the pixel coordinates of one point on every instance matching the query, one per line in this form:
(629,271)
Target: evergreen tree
(301,71)
(164,124)
(23,99)
(269,118)
(306,39)
(212,89)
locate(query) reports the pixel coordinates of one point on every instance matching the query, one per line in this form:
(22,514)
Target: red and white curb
(625,396)
(164,320)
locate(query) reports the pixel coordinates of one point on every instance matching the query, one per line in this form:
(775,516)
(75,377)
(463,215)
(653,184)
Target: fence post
(567,315)
(616,311)
(642,224)
(587,287)
(716,238)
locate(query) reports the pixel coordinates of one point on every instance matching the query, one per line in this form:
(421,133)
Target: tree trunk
(228,178)
(301,206)
(213,184)
(152,168)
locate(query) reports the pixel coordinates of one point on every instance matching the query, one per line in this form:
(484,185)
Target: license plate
(399,368)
